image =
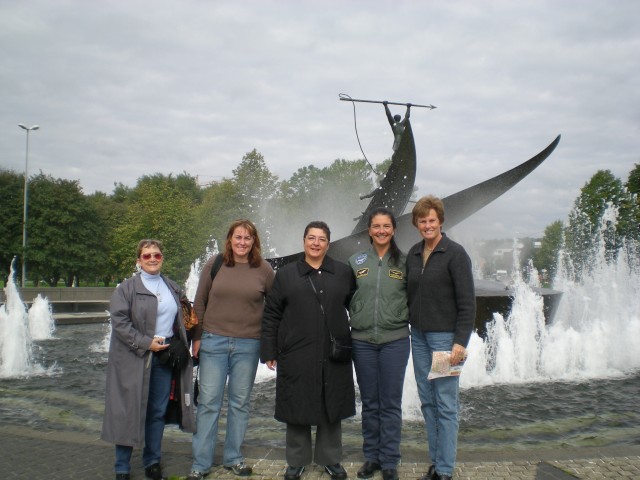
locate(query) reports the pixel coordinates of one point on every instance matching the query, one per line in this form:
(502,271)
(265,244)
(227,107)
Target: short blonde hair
(424,206)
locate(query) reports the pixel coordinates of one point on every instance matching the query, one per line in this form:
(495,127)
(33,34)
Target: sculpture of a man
(397,123)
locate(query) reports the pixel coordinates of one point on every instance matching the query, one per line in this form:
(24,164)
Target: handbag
(175,356)
(189,317)
(340,350)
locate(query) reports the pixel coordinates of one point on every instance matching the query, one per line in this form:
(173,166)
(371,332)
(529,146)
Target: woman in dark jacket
(309,299)
(146,318)
(442,309)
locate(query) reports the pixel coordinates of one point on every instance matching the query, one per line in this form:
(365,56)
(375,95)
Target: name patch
(397,274)
(363,272)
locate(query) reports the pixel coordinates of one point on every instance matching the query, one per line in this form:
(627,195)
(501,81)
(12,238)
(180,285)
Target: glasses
(147,256)
(313,239)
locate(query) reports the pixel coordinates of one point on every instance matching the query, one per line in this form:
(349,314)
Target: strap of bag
(217,263)
(321,307)
(215,268)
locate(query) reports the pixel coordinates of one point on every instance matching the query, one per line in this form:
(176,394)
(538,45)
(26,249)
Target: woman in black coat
(308,300)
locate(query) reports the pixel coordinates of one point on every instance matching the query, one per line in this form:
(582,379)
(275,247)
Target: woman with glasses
(226,341)
(307,306)
(146,319)
(380,333)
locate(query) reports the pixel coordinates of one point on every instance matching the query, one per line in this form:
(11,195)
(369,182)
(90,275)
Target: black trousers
(328,448)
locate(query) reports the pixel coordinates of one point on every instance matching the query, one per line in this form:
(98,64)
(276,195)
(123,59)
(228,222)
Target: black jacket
(442,296)
(294,332)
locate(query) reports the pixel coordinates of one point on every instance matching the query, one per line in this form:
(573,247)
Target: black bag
(176,356)
(340,350)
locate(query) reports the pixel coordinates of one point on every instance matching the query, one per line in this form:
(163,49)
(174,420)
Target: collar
(328,265)
(440,247)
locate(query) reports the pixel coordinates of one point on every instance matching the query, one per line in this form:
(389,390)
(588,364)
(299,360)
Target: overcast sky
(121,89)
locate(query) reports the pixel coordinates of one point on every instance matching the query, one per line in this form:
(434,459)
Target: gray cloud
(122,89)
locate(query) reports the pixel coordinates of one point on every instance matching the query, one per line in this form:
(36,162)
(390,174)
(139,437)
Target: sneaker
(293,473)
(336,471)
(240,469)
(154,472)
(195,475)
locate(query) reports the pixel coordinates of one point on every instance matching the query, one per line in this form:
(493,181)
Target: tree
(546,257)
(602,192)
(160,207)
(255,187)
(63,231)
(331,194)
(11,196)
(630,210)
(219,207)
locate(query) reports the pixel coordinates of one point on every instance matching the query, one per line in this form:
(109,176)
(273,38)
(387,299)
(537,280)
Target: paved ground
(26,453)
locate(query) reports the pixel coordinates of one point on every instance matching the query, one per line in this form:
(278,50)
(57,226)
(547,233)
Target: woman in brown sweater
(227,344)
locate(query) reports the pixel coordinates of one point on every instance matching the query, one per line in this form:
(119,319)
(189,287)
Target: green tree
(160,207)
(630,210)
(63,231)
(219,207)
(545,258)
(255,187)
(331,194)
(108,210)
(602,192)
(11,195)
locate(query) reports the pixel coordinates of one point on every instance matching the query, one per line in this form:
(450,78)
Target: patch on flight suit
(360,259)
(397,274)
(363,272)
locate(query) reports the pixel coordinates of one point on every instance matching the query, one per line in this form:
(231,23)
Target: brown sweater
(233,305)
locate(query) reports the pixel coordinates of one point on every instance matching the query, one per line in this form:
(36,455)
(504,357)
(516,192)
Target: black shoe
(154,472)
(123,476)
(390,474)
(336,471)
(430,475)
(293,473)
(441,477)
(368,469)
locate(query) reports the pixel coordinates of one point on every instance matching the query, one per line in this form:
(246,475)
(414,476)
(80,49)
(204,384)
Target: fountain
(527,383)
(18,329)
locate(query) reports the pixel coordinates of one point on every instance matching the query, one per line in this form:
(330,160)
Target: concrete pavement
(28,453)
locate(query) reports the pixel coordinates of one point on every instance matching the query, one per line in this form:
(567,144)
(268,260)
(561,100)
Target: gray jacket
(133,312)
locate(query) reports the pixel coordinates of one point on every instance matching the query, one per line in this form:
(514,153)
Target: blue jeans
(380,371)
(439,399)
(159,390)
(222,357)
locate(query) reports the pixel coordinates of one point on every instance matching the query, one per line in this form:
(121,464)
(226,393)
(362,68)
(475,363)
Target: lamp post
(24,213)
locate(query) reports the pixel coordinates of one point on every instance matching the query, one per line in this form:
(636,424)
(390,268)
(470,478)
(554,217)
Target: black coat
(295,334)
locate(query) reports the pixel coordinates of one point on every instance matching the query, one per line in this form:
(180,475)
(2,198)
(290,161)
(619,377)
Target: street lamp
(24,213)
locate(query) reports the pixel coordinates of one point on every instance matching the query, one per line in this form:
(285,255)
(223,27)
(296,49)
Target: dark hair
(148,242)
(318,224)
(255,256)
(424,206)
(394,251)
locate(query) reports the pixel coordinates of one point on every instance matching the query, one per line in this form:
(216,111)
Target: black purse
(340,350)
(175,356)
